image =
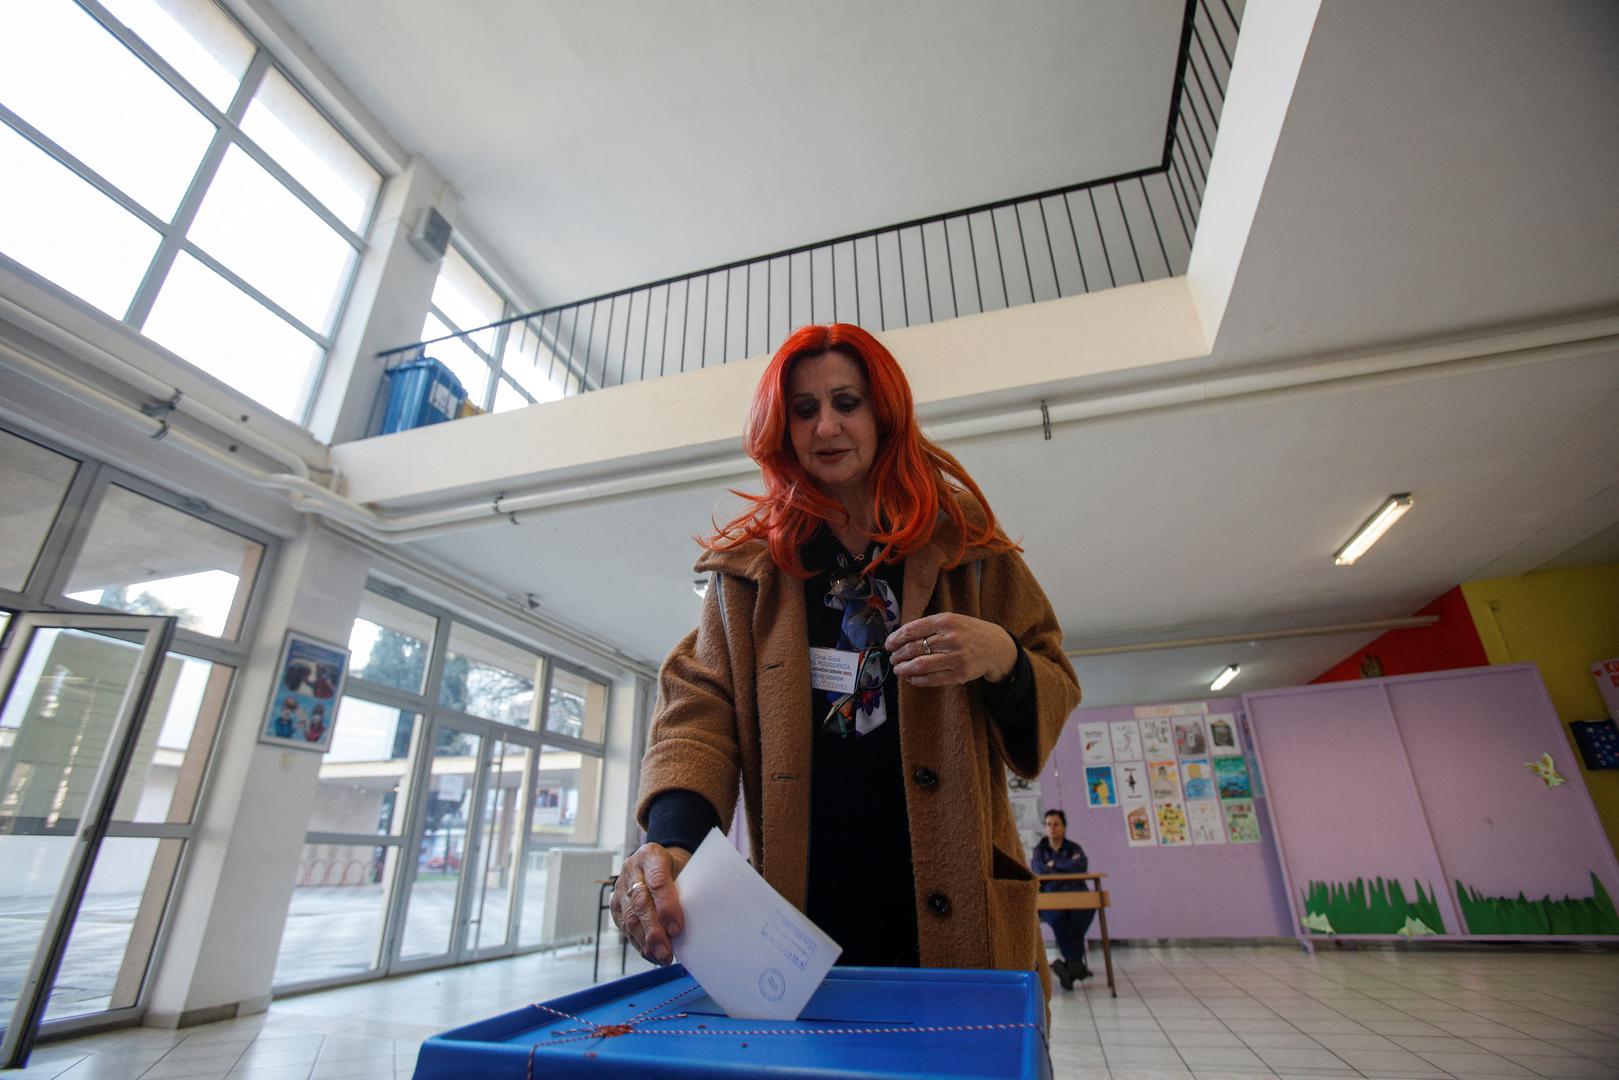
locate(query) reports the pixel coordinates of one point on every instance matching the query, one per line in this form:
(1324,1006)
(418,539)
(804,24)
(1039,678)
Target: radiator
(572,892)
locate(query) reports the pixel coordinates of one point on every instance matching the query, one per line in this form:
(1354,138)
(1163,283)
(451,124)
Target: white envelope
(755,954)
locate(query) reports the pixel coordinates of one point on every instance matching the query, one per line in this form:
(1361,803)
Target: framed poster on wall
(308,685)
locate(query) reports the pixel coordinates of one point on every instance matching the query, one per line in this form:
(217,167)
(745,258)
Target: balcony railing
(1098,234)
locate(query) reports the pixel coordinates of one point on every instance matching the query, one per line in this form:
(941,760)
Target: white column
(386,308)
(219,958)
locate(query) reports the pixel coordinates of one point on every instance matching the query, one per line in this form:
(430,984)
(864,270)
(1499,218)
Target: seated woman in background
(1056,854)
(875,799)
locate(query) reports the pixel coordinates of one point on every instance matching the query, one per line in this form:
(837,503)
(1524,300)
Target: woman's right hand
(645,904)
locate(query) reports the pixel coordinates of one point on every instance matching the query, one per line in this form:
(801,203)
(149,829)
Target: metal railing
(1099,234)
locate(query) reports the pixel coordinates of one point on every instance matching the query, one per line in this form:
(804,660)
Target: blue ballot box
(862,1022)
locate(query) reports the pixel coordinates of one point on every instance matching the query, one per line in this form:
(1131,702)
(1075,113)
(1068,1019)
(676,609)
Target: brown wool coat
(733,708)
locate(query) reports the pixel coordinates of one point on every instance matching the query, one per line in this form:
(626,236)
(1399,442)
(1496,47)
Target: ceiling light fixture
(1370,533)
(1223,680)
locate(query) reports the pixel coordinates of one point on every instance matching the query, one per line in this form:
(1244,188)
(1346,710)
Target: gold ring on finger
(927,649)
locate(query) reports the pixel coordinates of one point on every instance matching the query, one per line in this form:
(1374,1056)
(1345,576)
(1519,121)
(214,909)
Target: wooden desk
(1096,900)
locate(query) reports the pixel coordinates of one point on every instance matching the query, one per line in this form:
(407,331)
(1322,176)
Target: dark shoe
(1066,977)
(1084,972)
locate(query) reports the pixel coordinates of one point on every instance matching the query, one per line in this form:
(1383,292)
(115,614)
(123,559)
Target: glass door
(72,691)
(499,850)
(433,901)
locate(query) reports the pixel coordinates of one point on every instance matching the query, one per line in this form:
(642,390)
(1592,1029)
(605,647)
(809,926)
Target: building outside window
(163,169)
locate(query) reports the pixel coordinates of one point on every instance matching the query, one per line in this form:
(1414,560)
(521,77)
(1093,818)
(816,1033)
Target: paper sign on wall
(1203,819)
(1026,809)
(1126,740)
(1183,708)
(1198,778)
(1241,822)
(1131,778)
(1165,779)
(1231,777)
(1094,745)
(1099,789)
(1189,738)
(1138,823)
(1170,818)
(1223,735)
(1157,739)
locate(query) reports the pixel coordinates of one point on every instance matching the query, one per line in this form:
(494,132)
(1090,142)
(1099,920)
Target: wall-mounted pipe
(122,370)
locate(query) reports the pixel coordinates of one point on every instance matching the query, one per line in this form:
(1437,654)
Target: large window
(161,168)
(503,368)
(79,535)
(459,758)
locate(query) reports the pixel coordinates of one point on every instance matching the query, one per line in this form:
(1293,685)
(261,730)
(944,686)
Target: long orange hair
(911,477)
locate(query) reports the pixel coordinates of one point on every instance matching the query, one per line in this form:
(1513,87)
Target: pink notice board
(1499,828)
(1196,891)
(1342,801)
(1423,777)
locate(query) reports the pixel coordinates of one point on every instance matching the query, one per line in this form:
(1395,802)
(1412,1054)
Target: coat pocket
(1014,924)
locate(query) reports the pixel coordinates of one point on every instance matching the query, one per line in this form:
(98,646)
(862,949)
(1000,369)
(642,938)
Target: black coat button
(938,903)
(926,778)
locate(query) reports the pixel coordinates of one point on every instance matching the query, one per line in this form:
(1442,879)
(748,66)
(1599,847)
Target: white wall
(1275,34)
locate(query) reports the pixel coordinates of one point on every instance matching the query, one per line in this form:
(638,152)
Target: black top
(1068,859)
(861,890)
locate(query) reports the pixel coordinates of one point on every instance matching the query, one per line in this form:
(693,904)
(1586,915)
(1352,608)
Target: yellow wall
(1561,620)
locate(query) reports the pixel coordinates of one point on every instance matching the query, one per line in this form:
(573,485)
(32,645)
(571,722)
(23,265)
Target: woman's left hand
(950,649)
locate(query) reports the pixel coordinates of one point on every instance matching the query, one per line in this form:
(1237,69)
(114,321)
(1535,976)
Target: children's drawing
(1231,777)
(1165,780)
(1172,829)
(1094,745)
(1198,778)
(1126,740)
(1189,738)
(1223,738)
(1099,789)
(1157,738)
(1131,778)
(1138,824)
(1203,818)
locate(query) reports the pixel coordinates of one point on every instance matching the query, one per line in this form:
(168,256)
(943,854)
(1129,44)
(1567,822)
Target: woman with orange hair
(873,655)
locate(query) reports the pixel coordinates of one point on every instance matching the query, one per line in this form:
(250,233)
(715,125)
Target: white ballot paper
(754,953)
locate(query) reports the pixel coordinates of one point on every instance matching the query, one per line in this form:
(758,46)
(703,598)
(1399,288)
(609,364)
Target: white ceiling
(1415,191)
(601,145)
(1442,166)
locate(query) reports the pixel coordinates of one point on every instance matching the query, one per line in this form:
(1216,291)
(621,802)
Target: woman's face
(831,422)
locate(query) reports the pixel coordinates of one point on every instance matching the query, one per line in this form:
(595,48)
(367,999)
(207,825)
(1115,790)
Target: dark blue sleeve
(680,818)
(1011,703)
(1082,862)
(1042,858)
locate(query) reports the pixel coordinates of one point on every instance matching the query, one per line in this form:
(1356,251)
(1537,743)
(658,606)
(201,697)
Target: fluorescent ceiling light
(1223,680)
(1371,532)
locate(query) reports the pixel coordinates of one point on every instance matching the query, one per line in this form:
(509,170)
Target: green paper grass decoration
(1594,914)
(1379,909)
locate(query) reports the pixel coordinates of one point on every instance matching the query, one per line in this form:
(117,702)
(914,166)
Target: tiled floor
(1181,1014)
